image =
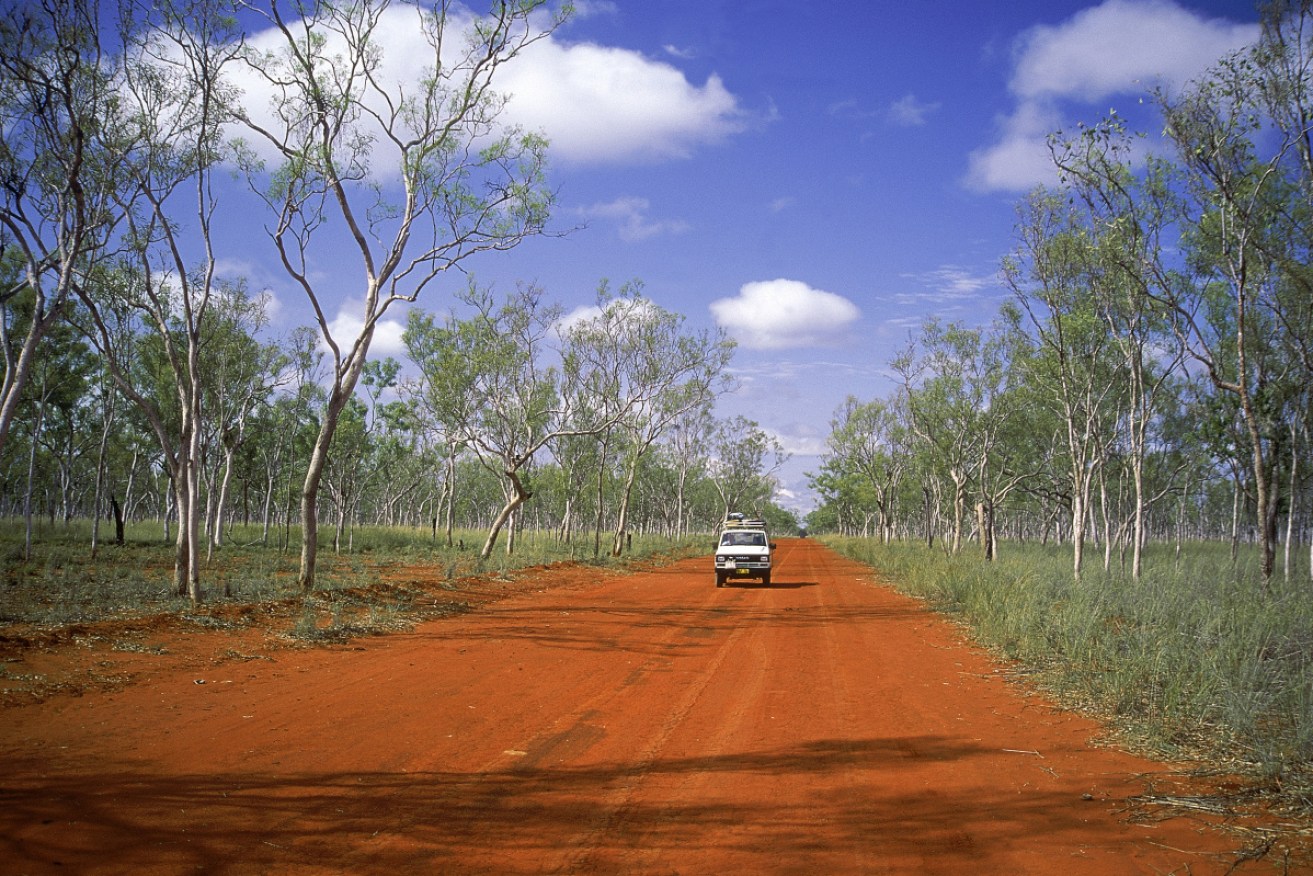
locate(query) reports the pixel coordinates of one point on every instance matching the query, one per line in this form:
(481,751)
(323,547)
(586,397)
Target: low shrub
(62,583)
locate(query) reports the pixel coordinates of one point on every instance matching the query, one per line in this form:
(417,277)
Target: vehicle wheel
(765,580)
(720,580)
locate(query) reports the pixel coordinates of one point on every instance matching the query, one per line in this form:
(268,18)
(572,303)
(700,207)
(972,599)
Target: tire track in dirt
(793,706)
(634,839)
(643,723)
(588,847)
(842,698)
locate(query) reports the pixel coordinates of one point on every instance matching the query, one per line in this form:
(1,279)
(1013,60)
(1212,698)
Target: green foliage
(745,460)
(781,521)
(1154,358)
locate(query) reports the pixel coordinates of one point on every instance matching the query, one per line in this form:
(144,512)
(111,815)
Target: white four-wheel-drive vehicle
(743,550)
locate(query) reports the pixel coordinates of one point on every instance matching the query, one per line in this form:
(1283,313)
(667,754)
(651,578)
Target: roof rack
(738,521)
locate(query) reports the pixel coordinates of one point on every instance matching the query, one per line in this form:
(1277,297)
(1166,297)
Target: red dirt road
(642,723)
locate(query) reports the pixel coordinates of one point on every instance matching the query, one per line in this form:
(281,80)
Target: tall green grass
(1197,659)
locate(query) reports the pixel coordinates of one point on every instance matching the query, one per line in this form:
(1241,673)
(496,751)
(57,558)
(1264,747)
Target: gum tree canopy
(404,153)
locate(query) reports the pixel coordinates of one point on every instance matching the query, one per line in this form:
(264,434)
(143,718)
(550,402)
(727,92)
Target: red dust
(578,721)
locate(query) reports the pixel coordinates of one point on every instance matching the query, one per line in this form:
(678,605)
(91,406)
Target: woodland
(1149,377)
(141,381)
(1111,479)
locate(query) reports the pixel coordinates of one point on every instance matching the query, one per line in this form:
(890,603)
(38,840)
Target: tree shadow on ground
(124,818)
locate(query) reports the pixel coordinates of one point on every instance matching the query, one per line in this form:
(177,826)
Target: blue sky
(817,177)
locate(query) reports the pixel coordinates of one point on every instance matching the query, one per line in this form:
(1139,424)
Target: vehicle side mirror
(772,545)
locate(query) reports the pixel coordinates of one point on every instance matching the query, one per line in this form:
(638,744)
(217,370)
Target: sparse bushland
(386,581)
(1189,662)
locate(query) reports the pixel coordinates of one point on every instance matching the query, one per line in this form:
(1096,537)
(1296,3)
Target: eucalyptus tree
(70,426)
(1301,446)
(744,461)
(108,398)
(240,372)
(864,440)
(653,372)
(279,426)
(376,459)
(443,450)
(399,463)
(135,464)
(452,454)
(1216,236)
(954,388)
(1245,189)
(1053,275)
(345,473)
(43,387)
(687,443)
(411,175)
(940,410)
(846,493)
(1212,244)
(1188,459)
(579,458)
(1032,464)
(368,457)
(597,374)
(1127,221)
(1151,366)
(487,381)
(360,457)
(64,138)
(171,82)
(664,486)
(56,413)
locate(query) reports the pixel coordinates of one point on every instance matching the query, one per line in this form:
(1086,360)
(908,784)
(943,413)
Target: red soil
(585,723)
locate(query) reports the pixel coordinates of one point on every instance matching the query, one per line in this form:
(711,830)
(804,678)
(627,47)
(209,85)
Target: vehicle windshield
(744,539)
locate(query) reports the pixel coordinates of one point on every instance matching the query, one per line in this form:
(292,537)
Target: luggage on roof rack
(743,549)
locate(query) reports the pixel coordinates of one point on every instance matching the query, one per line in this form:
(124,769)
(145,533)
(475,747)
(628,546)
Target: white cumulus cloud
(579,316)
(1119,47)
(776,314)
(1020,160)
(599,104)
(387,332)
(1123,45)
(797,440)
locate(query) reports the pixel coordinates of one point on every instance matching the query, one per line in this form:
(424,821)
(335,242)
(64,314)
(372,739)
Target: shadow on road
(234,822)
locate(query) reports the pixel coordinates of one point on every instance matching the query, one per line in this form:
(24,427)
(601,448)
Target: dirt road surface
(639,723)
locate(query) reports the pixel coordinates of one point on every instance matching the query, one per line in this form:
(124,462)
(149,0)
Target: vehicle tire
(765,579)
(720,580)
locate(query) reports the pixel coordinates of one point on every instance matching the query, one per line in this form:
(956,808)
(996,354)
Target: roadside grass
(1195,660)
(361,591)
